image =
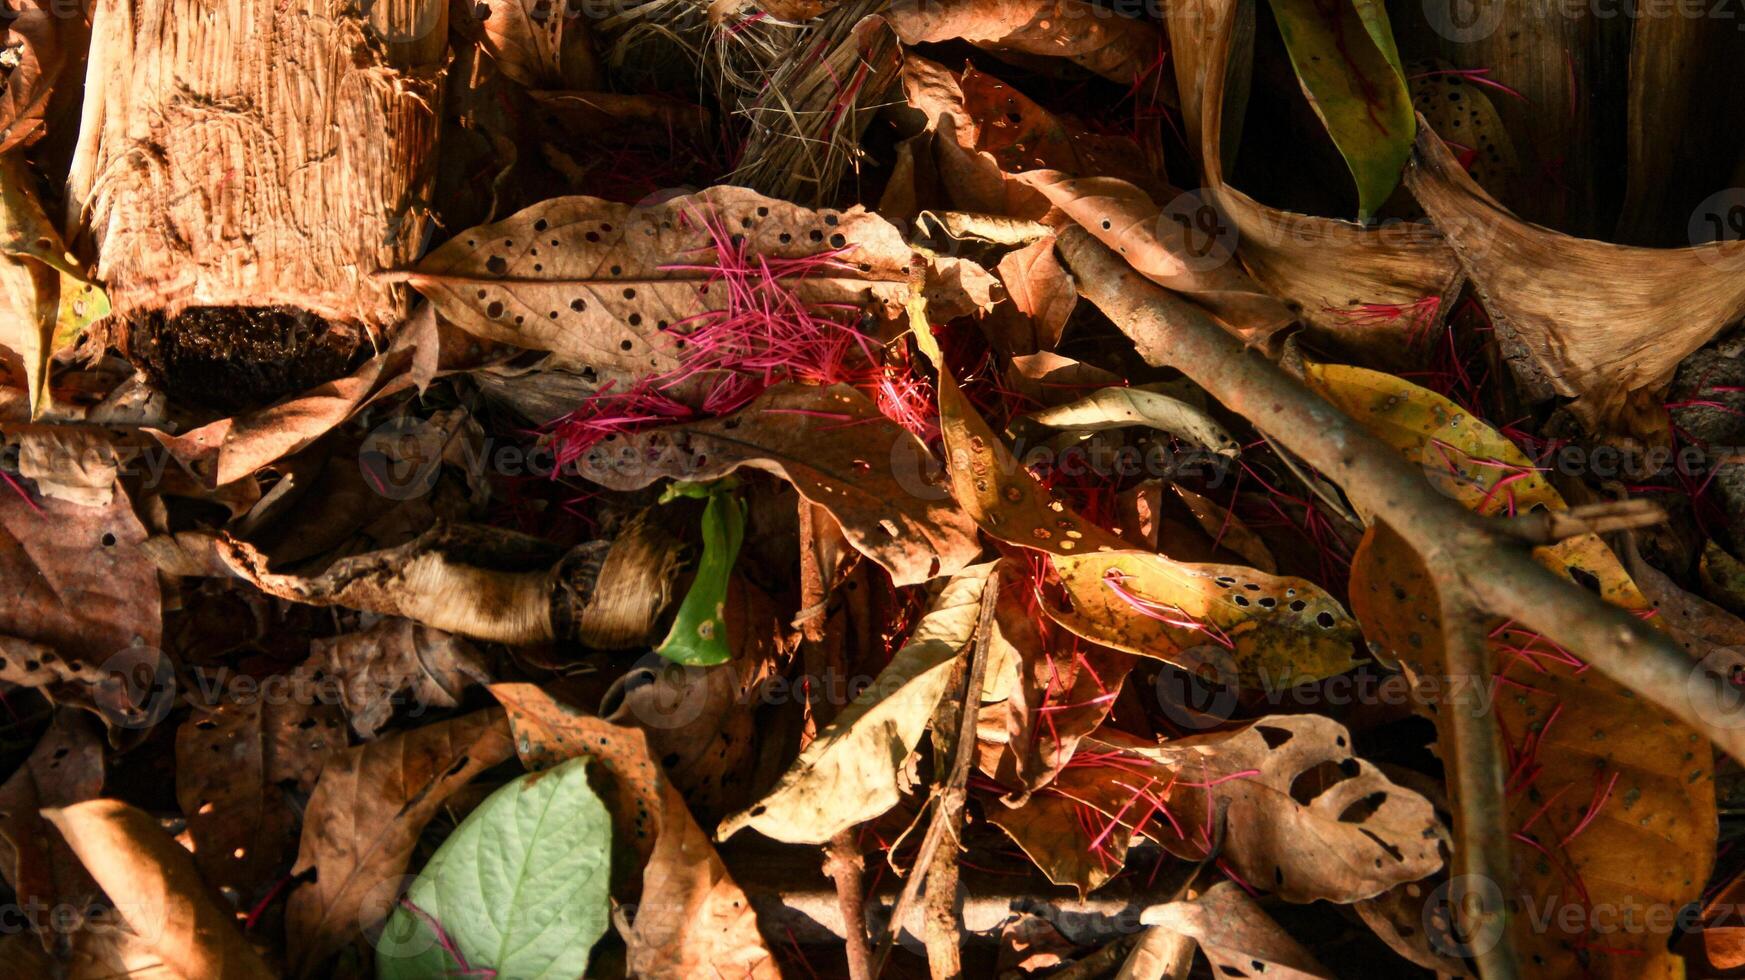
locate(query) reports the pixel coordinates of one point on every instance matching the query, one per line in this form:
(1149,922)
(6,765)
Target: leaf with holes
(519,888)
(838,452)
(617,286)
(1254,628)
(849,774)
(1302,816)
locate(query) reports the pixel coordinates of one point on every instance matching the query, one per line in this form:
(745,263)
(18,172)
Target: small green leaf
(1345,58)
(520,888)
(699,633)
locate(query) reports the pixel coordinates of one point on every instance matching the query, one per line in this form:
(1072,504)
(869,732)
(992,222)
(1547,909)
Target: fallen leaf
(156,890)
(77,579)
(1227,530)
(698,636)
(65,768)
(39,41)
(364,818)
(617,286)
(1114,408)
(373,667)
(850,773)
(1119,48)
(690,914)
(1041,292)
(1070,847)
(519,888)
(239,757)
(838,452)
(1349,67)
(1237,937)
(1640,310)
(1302,816)
(1607,780)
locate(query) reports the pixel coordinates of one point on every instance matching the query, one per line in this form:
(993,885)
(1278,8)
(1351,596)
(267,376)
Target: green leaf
(699,633)
(1345,58)
(519,888)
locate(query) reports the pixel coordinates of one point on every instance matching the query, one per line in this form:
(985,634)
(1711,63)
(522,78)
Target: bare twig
(1543,527)
(948,795)
(843,864)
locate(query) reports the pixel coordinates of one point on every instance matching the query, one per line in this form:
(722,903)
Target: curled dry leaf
(691,917)
(158,894)
(1638,312)
(1237,936)
(851,771)
(372,667)
(838,452)
(65,768)
(472,580)
(364,818)
(1252,626)
(239,759)
(1608,780)
(1119,48)
(1350,284)
(1115,408)
(1052,829)
(39,43)
(616,286)
(1165,245)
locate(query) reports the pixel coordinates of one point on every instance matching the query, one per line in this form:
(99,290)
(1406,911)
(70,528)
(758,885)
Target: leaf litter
(813,489)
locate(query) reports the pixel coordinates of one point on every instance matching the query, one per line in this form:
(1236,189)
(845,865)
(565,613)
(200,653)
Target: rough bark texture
(256,153)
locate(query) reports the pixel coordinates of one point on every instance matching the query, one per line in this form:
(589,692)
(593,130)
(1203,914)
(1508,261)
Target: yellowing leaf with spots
(1611,800)
(1263,629)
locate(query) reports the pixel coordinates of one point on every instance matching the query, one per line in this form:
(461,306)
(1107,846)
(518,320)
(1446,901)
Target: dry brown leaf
(838,452)
(1237,936)
(364,818)
(702,722)
(541,44)
(1064,691)
(1227,530)
(1621,797)
(42,41)
(236,755)
(78,581)
(1052,829)
(1119,48)
(373,667)
(616,286)
(1042,295)
(66,767)
(154,886)
(106,951)
(1050,379)
(691,917)
(1303,816)
(1637,312)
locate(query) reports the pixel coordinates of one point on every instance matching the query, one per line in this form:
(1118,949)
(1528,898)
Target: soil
(233,359)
